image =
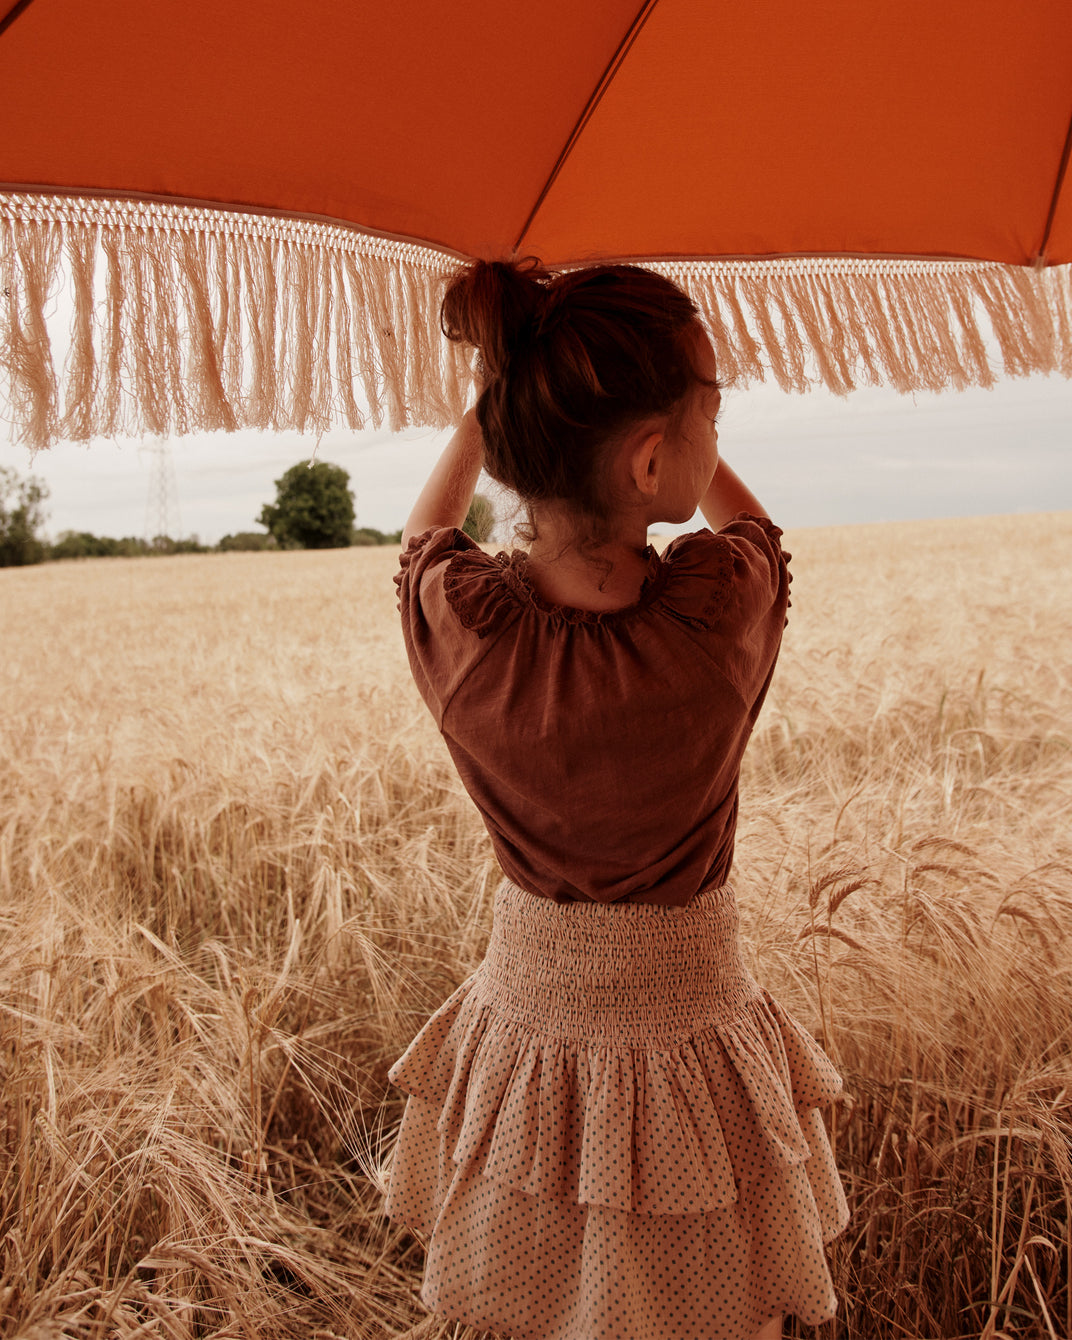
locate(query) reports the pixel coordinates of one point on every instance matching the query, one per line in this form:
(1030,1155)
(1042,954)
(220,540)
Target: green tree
(248,540)
(22,514)
(480,519)
(313,508)
(367,535)
(164,544)
(83,544)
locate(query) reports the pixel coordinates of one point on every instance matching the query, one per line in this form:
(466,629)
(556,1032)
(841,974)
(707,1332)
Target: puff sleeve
(733,586)
(452,598)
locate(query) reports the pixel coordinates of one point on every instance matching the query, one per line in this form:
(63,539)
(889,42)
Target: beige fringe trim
(128,318)
(915,325)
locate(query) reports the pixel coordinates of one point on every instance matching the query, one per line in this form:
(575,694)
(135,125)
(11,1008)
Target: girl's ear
(645,461)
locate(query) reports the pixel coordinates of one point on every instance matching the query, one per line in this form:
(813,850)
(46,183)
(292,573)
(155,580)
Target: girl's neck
(568,569)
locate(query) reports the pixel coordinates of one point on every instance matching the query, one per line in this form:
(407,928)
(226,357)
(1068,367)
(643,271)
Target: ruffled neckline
(514,567)
(690,582)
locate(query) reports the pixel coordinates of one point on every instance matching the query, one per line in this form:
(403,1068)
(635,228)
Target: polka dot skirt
(612,1133)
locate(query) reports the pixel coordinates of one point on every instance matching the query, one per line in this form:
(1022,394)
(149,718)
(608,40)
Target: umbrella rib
(642,16)
(1040,256)
(12,14)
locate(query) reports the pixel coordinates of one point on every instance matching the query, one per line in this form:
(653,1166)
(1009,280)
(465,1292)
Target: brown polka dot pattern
(612,1133)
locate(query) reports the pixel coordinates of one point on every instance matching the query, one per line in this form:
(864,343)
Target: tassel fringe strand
(129,318)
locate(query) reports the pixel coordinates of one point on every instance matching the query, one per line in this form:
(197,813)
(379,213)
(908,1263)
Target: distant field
(237,872)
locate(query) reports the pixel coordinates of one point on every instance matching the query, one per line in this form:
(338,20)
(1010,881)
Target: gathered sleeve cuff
(436,545)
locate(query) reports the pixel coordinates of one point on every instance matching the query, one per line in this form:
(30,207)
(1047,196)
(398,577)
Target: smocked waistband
(629,974)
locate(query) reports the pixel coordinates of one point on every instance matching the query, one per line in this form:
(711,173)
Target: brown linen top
(602,749)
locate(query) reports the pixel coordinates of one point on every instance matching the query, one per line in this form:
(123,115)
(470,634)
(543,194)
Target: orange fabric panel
(1059,246)
(1059,250)
(916,128)
(757,128)
(424,119)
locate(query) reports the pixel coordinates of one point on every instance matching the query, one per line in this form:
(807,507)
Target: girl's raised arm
(445,498)
(726,496)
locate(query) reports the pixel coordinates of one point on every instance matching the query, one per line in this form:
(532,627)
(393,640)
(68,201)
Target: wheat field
(237,872)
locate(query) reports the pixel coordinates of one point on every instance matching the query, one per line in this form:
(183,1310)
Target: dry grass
(236,872)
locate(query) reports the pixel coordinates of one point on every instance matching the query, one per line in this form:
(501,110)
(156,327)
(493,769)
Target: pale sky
(813,460)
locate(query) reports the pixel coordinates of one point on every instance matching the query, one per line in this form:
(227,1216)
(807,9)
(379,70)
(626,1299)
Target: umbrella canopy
(254,205)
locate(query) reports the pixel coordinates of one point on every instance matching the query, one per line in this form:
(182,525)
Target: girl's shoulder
(462,574)
(734,574)
(741,534)
(702,579)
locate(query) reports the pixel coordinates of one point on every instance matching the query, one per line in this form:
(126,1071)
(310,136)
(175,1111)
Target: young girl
(612,1131)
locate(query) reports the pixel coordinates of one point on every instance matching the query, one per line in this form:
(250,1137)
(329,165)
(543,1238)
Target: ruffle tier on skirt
(612,1133)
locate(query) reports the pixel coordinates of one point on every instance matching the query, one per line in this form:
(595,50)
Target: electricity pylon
(162,499)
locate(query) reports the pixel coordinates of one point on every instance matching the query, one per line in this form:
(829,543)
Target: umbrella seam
(1040,256)
(594,99)
(15,12)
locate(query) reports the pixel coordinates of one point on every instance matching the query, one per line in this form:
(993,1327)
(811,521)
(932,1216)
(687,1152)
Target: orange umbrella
(250,208)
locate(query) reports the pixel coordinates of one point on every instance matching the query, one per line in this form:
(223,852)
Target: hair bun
(493,305)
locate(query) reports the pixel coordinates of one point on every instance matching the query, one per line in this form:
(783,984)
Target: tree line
(313,509)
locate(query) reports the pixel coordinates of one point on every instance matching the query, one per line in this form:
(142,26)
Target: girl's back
(612,1131)
(602,748)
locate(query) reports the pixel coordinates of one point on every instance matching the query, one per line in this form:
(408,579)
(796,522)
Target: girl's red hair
(569,362)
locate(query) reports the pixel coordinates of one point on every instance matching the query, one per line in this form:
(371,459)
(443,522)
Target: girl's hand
(445,498)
